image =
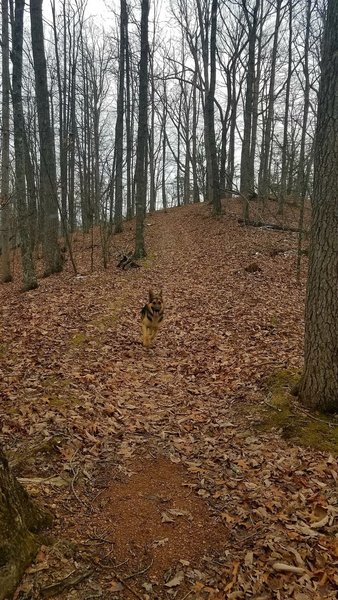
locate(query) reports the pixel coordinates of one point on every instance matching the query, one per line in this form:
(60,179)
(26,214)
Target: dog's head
(156,302)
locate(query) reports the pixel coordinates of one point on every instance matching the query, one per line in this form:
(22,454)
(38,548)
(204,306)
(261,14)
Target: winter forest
(231,106)
(169,299)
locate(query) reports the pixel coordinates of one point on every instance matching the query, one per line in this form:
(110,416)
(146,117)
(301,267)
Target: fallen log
(272,226)
(127,262)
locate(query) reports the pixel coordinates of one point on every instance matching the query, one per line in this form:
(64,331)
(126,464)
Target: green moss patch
(282,412)
(108,320)
(148,261)
(78,339)
(59,392)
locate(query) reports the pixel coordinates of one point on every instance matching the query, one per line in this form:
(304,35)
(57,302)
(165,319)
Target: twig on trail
(122,580)
(101,540)
(272,406)
(126,585)
(186,595)
(260,530)
(75,474)
(328,423)
(102,566)
(139,572)
(70,581)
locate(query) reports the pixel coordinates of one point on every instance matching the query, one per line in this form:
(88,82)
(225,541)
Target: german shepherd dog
(151,317)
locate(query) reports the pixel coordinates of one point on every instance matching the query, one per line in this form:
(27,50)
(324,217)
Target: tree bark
(247,167)
(129,137)
(28,269)
(20,520)
(209,56)
(119,122)
(319,383)
(142,136)
(264,184)
(286,117)
(6,275)
(48,187)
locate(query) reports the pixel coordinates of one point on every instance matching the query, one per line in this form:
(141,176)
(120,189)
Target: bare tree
(129,128)
(319,384)
(142,135)
(247,156)
(283,185)
(28,269)
(209,57)
(6,275)
(48,187)
(119,120)
(264,182)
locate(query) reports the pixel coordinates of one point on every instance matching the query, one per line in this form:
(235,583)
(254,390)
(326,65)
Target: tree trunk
(319,384)
(264,187)
(247,183)
(129,137)
(6,275)
(20,520)
(48,187)
(62,100)
(119,123)
(196,193)
(283,187)
(164,144)
(209,57)
(142,136)
(152,185)
(28,270)
(35,216)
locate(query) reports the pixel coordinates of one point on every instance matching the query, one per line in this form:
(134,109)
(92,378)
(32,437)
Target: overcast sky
(95,8)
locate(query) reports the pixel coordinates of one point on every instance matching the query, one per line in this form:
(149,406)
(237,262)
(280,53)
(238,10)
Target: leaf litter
(169,489)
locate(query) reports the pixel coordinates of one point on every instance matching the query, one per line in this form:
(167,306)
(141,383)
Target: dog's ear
(160,294)
(151,295)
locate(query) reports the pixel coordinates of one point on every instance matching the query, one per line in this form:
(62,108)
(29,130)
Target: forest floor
(162,475)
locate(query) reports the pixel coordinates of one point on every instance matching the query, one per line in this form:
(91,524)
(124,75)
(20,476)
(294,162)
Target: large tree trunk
(265,180)
(6,275)
(28,269)
(196,193)
(319,384)
(247,166)
(119,123)
(63,146)
(152,161)
(285,145)
(129,137)
(20,520)
(142,136)
(48,187)
(209,57)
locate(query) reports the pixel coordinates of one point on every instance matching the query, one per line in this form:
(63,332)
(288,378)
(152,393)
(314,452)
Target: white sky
(101,10)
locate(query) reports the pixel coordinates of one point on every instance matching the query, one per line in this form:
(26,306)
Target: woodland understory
(157,467)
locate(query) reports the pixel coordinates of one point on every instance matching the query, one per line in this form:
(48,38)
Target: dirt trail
(170,490)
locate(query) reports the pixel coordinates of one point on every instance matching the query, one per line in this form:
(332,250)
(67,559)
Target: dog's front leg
(146,336)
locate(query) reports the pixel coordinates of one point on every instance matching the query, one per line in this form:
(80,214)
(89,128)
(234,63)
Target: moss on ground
(282,412)
(59,392)
(148,261)
(108,320)
(78,339)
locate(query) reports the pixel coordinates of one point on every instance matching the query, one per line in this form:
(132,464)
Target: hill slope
(152,460)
